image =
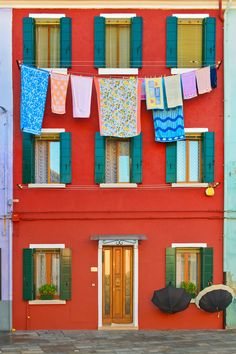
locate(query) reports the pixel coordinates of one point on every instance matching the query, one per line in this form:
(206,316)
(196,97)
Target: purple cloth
(189,85)
(81,95)
(143,90)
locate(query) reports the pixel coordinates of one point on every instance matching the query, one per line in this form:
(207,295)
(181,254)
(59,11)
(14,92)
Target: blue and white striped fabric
(168,123)
(34,85)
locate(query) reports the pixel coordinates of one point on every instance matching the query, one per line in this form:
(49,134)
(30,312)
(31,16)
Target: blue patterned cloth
(34,85)
(168,123)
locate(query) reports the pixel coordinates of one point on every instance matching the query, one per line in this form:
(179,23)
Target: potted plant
(47,291)
(189,287)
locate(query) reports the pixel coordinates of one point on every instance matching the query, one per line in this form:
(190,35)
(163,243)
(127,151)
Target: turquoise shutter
(208,156)
(171,41)
(171,162)
(65,274)
(29,40)
(65,158)
(209,41)
(206,267)
(99,42)
(136,159)
(65,42)
(28,168)
(99,158)
(136,37)
(170,267)
(28,274)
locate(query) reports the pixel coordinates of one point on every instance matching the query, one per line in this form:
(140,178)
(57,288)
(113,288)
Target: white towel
(81,95)
(173,91)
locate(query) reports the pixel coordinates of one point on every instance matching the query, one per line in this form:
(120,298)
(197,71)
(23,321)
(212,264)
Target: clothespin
(18,64)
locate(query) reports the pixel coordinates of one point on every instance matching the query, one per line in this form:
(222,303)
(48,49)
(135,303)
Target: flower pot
(46,297)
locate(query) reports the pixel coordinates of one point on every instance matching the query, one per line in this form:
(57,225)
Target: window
(118,160)
(191,160)
(47,42)
(190,42)
(190,265)
(47,158)
(118,42)
(47,39)
(46,266)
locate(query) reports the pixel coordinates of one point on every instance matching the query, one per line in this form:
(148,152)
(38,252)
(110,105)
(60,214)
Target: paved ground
(119,342)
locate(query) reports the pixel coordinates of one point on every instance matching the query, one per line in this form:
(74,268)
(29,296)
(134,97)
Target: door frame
(118,242)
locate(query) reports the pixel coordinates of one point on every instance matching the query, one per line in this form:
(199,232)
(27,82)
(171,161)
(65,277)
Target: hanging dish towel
(81,95)
(34,85)
(213,77)
(189,85)
(173,91)
(168,123)
(59,84)
(203,80)
(154,93)
(119,106)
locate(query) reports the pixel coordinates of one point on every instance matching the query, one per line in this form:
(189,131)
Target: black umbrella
(215,298)
(171,300)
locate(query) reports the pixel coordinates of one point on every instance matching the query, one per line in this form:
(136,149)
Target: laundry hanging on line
(34,86)
(154,93)
(59,84)
(81,95)
(189,85)
(173,91)
(203,80)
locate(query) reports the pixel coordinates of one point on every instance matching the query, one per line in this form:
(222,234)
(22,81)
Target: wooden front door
(117,290)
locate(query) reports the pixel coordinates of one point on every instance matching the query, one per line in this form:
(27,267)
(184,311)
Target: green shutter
(65,157)
(171,41)
(208,156)
(136,159)
(29,40)
(65,274)
(99,158)
(28,274)
(206,267)
(170,266)
(99,42)
(136,38)
(65,42)
(209,41)
(171,162)
(28,168)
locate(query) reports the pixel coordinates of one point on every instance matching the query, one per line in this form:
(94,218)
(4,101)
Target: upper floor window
(190,42)
(118,42)
(47,42)
(117,160)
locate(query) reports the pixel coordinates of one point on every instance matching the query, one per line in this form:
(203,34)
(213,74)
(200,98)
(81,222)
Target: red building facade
(134,226)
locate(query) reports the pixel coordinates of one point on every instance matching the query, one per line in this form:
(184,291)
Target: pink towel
(189,85)
(203,80)
(59,84)
(81,95)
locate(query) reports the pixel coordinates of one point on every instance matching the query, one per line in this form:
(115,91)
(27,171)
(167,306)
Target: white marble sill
(118,185)
(117,71)
(47,302)
(189,185)
(46,185)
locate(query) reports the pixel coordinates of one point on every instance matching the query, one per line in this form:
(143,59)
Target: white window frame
(49,185)
(177,71)
(118,71)
(47,246)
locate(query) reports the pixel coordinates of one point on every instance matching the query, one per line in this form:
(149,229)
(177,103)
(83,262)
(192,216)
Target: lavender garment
(189,85)
(81,95)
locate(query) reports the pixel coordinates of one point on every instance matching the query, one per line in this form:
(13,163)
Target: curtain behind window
(41,162)
(117,46)
(48,46)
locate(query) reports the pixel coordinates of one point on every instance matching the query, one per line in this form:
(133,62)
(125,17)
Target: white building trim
(47,245)
(188,245)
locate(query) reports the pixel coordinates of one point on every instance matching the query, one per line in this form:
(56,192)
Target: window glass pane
(107,281)
(189,44)
(124,46)
(41,161)
(193,268)
(187,266)
(124,163)
(128,281)
(42,46)
(54,46)
(111,161)
(179,269)
(54,161)
(56,271)
(111,46)
(40,271)
(194,161)
(181,161)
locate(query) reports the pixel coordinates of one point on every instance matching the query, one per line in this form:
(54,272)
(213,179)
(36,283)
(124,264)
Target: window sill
(189,185)
(56,70)
(117,71)
(47,302)
(177,71)
(118,185)
(46,185)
